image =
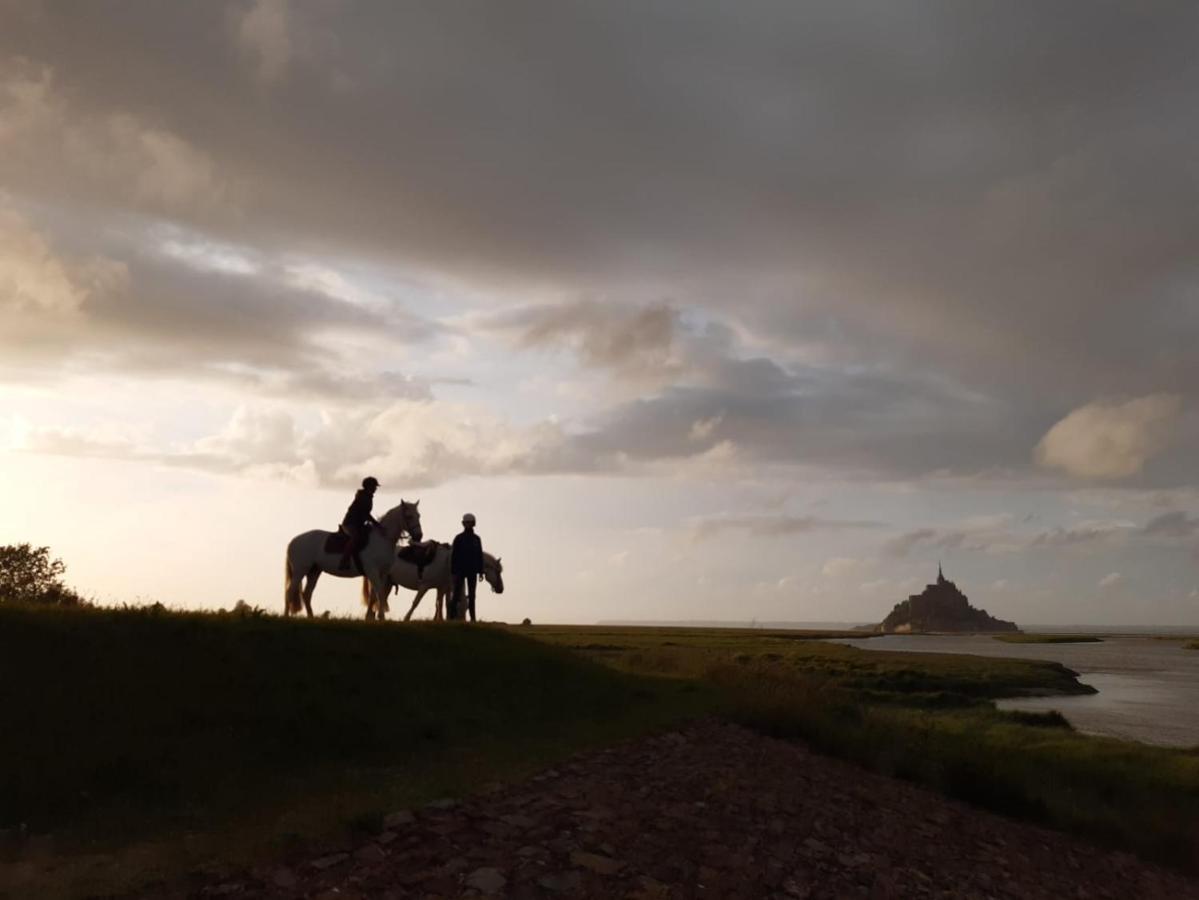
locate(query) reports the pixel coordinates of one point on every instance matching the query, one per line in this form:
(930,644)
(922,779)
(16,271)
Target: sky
(708,311)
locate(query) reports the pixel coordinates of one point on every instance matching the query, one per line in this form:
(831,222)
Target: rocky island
(940,607)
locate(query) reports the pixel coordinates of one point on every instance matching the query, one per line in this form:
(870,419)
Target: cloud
(876,235)
(34,280)
(263,34)
(633,340)
(1110,440)
(844,566)
(994,535)
(409,443)
(773,525)
(112,153)
(1175,524)
(195,310)
(1111,580)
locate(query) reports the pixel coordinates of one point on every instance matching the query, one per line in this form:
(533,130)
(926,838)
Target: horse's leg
(314,572)
(378,589)
(415,602)
(291,587)
(438,616)
(384,590)
(368,599)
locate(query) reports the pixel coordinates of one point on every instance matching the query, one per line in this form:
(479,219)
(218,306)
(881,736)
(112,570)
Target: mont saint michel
(940,607)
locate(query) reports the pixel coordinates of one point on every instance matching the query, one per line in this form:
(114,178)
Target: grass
(894,676)
(929,718)
(1191,645)
(147,743)
(1049,638)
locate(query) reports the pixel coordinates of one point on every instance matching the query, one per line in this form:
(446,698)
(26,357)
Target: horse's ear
(417,503)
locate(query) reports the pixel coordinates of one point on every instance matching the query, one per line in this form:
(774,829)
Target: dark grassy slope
(128,717)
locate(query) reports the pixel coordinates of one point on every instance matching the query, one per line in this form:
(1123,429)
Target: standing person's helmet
(370,482)
(468,519)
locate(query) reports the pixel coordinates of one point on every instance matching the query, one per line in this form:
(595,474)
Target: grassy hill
(184,736)
(139,744)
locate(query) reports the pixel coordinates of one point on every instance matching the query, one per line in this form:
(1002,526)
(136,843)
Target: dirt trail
(712,811)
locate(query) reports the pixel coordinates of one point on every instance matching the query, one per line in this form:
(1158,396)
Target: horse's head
(411,519)
(493,572)
(403,519)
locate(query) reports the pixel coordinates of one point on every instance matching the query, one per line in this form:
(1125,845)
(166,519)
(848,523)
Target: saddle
(336,542)
(419,555)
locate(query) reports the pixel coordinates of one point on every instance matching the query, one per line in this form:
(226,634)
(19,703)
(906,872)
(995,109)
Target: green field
(1049,638)
(140,745)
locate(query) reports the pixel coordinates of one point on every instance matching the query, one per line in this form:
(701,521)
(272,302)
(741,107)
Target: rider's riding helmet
(370,483)
(468,519)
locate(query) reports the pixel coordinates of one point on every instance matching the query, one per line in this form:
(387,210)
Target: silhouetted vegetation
(29,574)
(1049,638)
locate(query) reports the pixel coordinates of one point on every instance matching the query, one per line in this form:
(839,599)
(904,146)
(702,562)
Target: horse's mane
(392,521)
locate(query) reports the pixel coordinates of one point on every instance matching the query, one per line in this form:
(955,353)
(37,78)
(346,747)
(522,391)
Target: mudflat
(711,810)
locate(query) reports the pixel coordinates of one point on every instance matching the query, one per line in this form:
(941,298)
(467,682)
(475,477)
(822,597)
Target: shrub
(29,575)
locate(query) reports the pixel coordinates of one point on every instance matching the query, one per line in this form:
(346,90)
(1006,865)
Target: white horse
(307,557)
(435,576)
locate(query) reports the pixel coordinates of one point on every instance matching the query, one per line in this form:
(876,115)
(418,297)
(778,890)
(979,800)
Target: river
(1148,689)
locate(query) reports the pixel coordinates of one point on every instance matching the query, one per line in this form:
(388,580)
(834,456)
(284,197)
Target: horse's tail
(291,589)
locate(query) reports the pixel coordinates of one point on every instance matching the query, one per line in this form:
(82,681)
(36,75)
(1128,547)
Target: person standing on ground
(466,565)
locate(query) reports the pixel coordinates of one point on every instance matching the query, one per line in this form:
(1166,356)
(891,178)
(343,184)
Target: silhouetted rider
(358,517)
(466,565)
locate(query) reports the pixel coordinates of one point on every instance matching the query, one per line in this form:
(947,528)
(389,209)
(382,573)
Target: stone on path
(602,865)
(561,882)
(370,853)
(398,819)
(329,861)
(486,880)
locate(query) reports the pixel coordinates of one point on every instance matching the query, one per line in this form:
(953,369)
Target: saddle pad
(419,554)
(336,542)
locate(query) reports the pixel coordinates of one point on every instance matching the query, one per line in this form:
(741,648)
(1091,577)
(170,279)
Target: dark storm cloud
(1167,529)
(1176,524)
(118,308)
(636,340)
(871,422)
(988,196)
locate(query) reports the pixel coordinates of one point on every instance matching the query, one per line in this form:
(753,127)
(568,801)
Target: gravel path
(712,811)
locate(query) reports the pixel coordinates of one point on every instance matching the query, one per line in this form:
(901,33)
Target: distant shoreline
(1114,630)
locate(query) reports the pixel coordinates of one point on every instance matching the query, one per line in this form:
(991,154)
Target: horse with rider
(366,547)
